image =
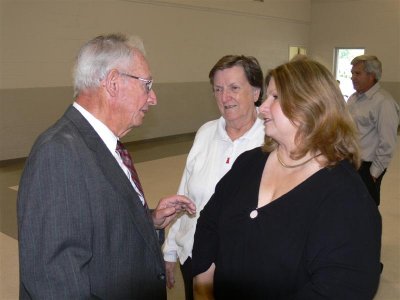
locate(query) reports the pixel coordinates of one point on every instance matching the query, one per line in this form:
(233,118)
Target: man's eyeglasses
(147,82)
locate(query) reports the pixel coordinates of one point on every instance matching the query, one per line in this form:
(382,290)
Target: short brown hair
(310,97)
(251,69)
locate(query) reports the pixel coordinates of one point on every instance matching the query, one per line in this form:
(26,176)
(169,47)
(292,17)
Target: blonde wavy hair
(311,99)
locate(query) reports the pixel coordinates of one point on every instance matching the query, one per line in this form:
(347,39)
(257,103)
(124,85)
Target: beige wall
(183,39)
(370,24)
(27,112)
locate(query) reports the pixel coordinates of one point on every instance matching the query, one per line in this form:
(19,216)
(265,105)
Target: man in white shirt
(376,115)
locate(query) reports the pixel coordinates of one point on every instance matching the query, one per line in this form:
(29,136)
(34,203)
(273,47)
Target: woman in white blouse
(237,83)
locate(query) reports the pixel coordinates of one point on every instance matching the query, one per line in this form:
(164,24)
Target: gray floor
(160,164)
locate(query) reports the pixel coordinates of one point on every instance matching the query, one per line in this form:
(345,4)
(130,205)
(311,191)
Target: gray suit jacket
(83,232)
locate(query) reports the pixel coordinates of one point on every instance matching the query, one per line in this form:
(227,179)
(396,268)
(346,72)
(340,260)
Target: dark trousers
(187,275)
(374,187)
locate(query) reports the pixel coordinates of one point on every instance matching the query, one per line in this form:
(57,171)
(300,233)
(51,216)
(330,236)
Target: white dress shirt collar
(107,136)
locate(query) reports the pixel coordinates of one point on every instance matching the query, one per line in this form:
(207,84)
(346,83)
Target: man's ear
(111,82)
(372,79)
(256,93)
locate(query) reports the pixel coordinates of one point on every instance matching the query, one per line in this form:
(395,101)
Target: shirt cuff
(171,257)
(374,171)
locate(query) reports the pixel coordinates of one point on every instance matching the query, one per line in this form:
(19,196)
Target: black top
(321,240)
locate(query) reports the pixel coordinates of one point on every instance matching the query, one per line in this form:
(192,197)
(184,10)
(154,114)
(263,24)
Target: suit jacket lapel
(117,178)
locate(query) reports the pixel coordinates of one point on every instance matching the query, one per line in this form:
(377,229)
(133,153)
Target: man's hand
(169,268)
(169,207)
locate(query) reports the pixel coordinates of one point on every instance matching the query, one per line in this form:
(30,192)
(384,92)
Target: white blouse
(209,159)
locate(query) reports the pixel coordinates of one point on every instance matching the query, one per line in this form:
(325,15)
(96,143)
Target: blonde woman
(292,219)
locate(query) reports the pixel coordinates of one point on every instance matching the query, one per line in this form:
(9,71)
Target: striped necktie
(127,160)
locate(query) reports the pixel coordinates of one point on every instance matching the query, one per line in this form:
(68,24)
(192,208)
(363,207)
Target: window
(343,58)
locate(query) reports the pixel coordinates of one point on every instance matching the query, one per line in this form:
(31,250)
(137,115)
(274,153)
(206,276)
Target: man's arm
(170,252)
(170,249)
(388,122)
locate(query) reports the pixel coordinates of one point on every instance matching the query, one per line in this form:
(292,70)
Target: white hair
(371,65)
(100,55)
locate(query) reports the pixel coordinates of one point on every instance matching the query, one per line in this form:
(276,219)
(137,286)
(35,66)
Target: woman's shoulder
(344,173)
(208,126)
(248,165)
(251,157)
(255,153)
(205,134)
(343,185)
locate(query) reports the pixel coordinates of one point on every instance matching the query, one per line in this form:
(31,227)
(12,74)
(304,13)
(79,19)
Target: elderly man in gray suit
(85,231)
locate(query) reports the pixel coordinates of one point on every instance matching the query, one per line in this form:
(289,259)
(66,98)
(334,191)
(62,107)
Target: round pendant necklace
(293,166)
